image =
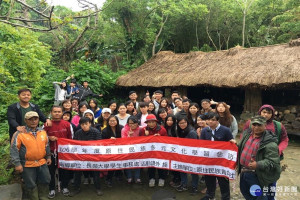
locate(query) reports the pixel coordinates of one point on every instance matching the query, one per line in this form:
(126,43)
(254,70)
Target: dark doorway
(232,96)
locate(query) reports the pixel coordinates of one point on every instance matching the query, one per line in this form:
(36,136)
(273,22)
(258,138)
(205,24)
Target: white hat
(88,111)
(104,110)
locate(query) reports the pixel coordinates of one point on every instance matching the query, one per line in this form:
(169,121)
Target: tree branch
(33,9)
(29,27)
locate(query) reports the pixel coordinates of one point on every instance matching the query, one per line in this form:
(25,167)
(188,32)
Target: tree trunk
(197,38)
(158,34)
(243,31)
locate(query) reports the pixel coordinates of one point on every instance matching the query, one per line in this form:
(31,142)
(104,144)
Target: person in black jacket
(216,132)
(17,111)
(112,131)
(185,130)
(86,133)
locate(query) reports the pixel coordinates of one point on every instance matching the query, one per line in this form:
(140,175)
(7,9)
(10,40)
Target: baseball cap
(104,110)
(258,120)
(31,114)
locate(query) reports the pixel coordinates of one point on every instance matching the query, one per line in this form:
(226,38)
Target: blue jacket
(222,134)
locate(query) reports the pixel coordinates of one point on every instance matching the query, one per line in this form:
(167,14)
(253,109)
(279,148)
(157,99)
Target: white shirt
(213,132)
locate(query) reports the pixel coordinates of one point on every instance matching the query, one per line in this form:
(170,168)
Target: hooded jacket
(283,137)
(268,163)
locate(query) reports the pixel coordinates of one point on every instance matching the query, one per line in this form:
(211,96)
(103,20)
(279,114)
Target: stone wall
(289,116)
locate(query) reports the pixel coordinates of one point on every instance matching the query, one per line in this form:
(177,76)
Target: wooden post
(253,100)
(182,91)
(168,92)
(140,91)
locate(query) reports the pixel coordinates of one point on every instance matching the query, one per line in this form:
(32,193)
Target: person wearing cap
(30,153)
(101,122)
(59,129)
(17,111)
(258,159)
(153,128)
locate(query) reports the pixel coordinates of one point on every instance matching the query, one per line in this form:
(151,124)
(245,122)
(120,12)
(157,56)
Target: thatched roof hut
(262,67)
(250,68)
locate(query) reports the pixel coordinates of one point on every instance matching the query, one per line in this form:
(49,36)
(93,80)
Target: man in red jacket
(153,128)
(59,129)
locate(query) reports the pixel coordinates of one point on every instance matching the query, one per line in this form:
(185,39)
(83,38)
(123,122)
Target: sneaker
(99,192)
(181,188)
(129,181)
(74,192)
(161,182)
(152,182)
(51,194)
(85,181)
(193,191)
(138,181)
(65,192)
(92,181)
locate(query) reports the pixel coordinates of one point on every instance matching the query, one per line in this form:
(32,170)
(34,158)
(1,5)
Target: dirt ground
(288,182)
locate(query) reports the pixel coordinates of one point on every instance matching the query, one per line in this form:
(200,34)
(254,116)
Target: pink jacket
(126,129)
(75,120)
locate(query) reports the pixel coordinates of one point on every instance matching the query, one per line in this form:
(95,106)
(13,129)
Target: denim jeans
(35,175)
(247,180)
(135,171)
(184,179)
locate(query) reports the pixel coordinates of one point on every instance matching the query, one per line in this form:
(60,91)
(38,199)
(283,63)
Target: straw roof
(267,66)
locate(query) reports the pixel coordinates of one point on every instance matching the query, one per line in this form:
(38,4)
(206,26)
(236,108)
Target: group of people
(261,145)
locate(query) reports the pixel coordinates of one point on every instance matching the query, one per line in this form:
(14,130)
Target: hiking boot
(32,193)
(99,192)
(152,182)
(85,181)
(181,188)
(65,192)
(161,182)
(74,192)
(51,194)
(193,191)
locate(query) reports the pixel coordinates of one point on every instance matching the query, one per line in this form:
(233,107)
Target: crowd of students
(77,119)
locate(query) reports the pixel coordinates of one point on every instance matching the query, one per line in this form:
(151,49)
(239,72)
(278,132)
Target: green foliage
(5,171)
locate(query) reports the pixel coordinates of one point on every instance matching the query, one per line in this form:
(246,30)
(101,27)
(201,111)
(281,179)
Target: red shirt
(59,129)
(157,129)
(250,150)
